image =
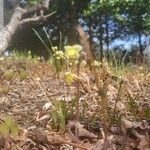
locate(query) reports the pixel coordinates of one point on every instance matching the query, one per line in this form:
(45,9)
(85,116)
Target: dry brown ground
(24,102)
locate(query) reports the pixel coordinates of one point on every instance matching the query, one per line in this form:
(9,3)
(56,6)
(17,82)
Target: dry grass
(105,96)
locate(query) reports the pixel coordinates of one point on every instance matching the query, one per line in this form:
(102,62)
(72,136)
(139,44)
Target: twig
(36,19)
(40,86)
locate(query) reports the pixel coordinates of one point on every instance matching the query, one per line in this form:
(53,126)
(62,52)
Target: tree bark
(90,33)
(140,43)
(8,31)
(101,39)
(73,19)
(107,32)
(1,14)
(19,18)
(85,41)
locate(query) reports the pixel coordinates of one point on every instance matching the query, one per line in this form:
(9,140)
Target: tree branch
(36,19)
(21,17)
(38,8)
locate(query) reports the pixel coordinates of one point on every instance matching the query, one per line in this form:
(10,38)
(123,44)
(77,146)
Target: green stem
(78,94)
(117,99)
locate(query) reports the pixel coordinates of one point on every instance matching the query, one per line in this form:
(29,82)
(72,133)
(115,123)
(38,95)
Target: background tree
(137,12)
(106,22)
(118,19)
(1,15)
(22,16)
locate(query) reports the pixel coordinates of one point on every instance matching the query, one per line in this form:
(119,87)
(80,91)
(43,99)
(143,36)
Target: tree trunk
(8,31)
(107,32)
(140,43)
(85,41)
(19,18)
(73,19)
(90,33)
(101,39)
(1,14)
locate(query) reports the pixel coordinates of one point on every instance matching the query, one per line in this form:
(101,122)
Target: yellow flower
(59,54)
(72,52)
(69,77)
(54,48)
(78,47)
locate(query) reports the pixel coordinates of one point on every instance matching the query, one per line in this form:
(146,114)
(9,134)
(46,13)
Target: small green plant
(34,2)
(132,104)
(58,59)
(4,90)
(9,74)
(62,111)
(25,56)
(114,119)
(9,126)
(146,113)
(61,58)
(59,115)
(23,75)
(69,77)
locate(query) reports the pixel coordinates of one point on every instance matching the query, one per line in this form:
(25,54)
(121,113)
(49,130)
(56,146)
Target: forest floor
(39,110)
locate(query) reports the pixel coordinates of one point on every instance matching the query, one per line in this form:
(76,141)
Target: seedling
(9,126)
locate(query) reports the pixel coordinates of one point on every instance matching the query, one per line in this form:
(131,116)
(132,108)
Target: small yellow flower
(59,54)
(72,52)
(77,47)
(69,77)
(54,48)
